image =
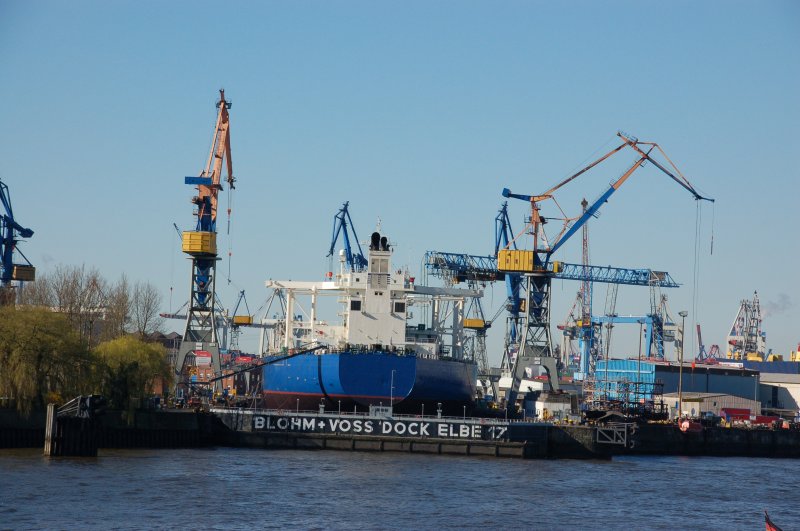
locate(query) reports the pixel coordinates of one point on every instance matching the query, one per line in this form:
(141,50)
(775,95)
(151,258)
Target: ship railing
(363,349)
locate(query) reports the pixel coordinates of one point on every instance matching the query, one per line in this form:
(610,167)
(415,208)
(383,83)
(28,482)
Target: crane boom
(571,226)
(463,267)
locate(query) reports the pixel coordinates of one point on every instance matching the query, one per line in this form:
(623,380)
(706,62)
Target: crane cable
(713,215)
(173,251)
(230,242)
(698,223)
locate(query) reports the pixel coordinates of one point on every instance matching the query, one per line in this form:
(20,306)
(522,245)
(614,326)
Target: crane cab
(199,243)
(24,273)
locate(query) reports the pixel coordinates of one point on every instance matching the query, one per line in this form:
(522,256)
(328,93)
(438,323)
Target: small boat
(768,523)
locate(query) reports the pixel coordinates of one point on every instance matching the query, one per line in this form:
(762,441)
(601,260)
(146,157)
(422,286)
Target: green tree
(129,368)
(40,355)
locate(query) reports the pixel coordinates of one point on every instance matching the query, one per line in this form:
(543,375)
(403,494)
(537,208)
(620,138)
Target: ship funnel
(384,244)
(375,242)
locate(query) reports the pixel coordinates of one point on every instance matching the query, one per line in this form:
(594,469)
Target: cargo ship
(375,353)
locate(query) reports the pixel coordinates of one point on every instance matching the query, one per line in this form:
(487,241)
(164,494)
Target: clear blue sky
(418,113)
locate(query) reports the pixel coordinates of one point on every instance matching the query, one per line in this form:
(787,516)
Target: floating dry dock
(417,434)
(491,437)
(413,434)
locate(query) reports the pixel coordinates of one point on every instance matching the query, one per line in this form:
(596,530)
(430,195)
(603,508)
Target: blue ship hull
(354,381)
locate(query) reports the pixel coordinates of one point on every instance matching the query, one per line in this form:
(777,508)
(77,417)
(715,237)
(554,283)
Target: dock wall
(363,443)
(662,439)
(188,429)
(118,429)
(21,431)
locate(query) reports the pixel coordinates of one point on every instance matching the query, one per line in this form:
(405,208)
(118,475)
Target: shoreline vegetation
(74,333)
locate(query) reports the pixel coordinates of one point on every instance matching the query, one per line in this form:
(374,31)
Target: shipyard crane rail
(535,264)
(10,233)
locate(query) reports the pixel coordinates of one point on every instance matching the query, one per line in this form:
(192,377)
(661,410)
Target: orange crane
(200,335)
(537,264)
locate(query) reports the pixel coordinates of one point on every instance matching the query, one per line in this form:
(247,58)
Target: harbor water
(225,488)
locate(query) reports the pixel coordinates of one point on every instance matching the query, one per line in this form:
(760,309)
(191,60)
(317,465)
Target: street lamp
(683,314)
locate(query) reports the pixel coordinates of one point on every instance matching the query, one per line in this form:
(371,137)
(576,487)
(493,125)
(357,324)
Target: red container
(734,413)
(765,419)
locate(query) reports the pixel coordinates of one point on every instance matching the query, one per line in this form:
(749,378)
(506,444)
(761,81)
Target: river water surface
(227,488)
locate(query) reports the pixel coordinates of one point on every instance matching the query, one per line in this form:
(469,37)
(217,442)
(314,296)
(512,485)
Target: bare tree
(38,293)
(80,295)
(144,308)
(97,310)
(118,309)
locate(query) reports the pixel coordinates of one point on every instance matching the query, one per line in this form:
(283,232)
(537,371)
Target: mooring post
(72,429)
(50,430)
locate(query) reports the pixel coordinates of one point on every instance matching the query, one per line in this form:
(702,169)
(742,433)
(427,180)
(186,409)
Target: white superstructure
(376,308)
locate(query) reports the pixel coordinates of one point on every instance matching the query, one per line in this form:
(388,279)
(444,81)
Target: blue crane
(502,239)
(10,233)
(462,267)
(343,225)
(536,264)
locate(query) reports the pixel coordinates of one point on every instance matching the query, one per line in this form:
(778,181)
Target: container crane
(537,265)
(201,245)
(10,233)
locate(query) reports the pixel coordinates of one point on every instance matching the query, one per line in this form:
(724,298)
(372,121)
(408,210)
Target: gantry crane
(10,233)
(460,267)
(537,264)
(201,245)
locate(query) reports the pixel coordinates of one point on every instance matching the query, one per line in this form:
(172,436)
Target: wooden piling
(50,430)
(69,436)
